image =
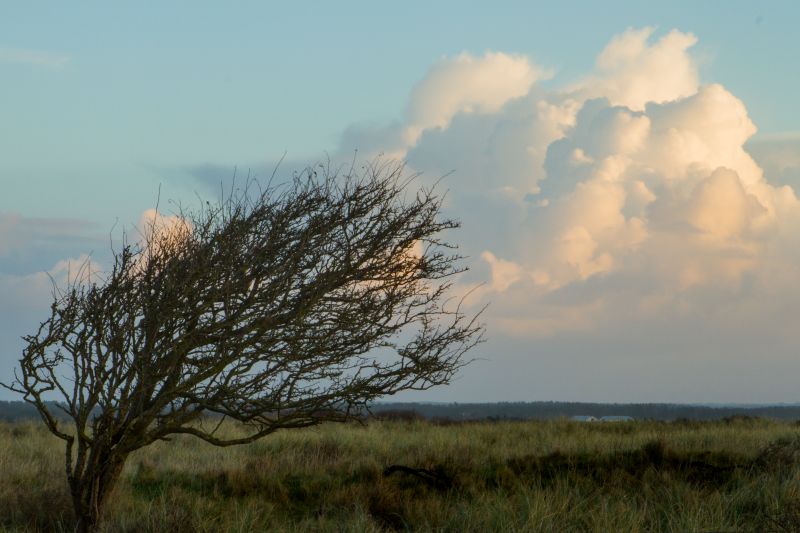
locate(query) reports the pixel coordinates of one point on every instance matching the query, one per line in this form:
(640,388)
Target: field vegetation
(738,474)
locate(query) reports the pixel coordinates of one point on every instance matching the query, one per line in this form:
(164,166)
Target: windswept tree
(276,307)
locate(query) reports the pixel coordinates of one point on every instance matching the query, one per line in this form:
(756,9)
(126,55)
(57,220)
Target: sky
(627,173)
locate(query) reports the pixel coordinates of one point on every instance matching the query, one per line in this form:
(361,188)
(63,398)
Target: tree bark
(91,490)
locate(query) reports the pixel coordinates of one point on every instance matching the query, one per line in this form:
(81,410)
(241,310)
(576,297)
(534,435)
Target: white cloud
(632,72)
(628,197)
(467,84)
(157,233)
(36,58)
(461,86)
(154,226)
(503,273)
(81,269)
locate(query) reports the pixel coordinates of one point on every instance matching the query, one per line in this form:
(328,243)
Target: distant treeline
(18,411)
(549,410)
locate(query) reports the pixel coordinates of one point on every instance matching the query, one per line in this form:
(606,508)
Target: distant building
(584,418)
(622,418)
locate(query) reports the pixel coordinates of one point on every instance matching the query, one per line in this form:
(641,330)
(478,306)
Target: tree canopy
(280,306)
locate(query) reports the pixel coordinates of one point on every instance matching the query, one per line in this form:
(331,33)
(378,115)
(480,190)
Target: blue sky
(147,88)
(102,105)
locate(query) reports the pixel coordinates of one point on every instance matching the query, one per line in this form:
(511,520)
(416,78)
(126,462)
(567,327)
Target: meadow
(739,474)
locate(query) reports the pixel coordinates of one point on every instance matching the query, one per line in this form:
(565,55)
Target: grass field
(736,475)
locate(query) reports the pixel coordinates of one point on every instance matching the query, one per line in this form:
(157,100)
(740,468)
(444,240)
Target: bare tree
(277,308)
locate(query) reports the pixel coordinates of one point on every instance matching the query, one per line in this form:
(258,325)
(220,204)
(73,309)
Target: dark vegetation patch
(40,509)
(291,489)
(654,460)
(785,521)
(438,477)
(781,456)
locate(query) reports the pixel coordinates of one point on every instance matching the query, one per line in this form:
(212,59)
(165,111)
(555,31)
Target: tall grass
(736,475)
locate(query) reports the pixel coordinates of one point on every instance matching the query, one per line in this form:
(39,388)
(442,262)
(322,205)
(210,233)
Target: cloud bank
(625,200)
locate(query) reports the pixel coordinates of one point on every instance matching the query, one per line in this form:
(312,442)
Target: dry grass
(739,475)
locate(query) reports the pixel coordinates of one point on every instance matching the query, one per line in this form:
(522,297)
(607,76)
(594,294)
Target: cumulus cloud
(155,227)
(464,85)
(629,197)
(632,71)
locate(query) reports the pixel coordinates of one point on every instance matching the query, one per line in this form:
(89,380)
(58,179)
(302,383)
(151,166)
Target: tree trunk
(91,490)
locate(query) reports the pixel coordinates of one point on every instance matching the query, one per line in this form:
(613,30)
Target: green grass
(740,475)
